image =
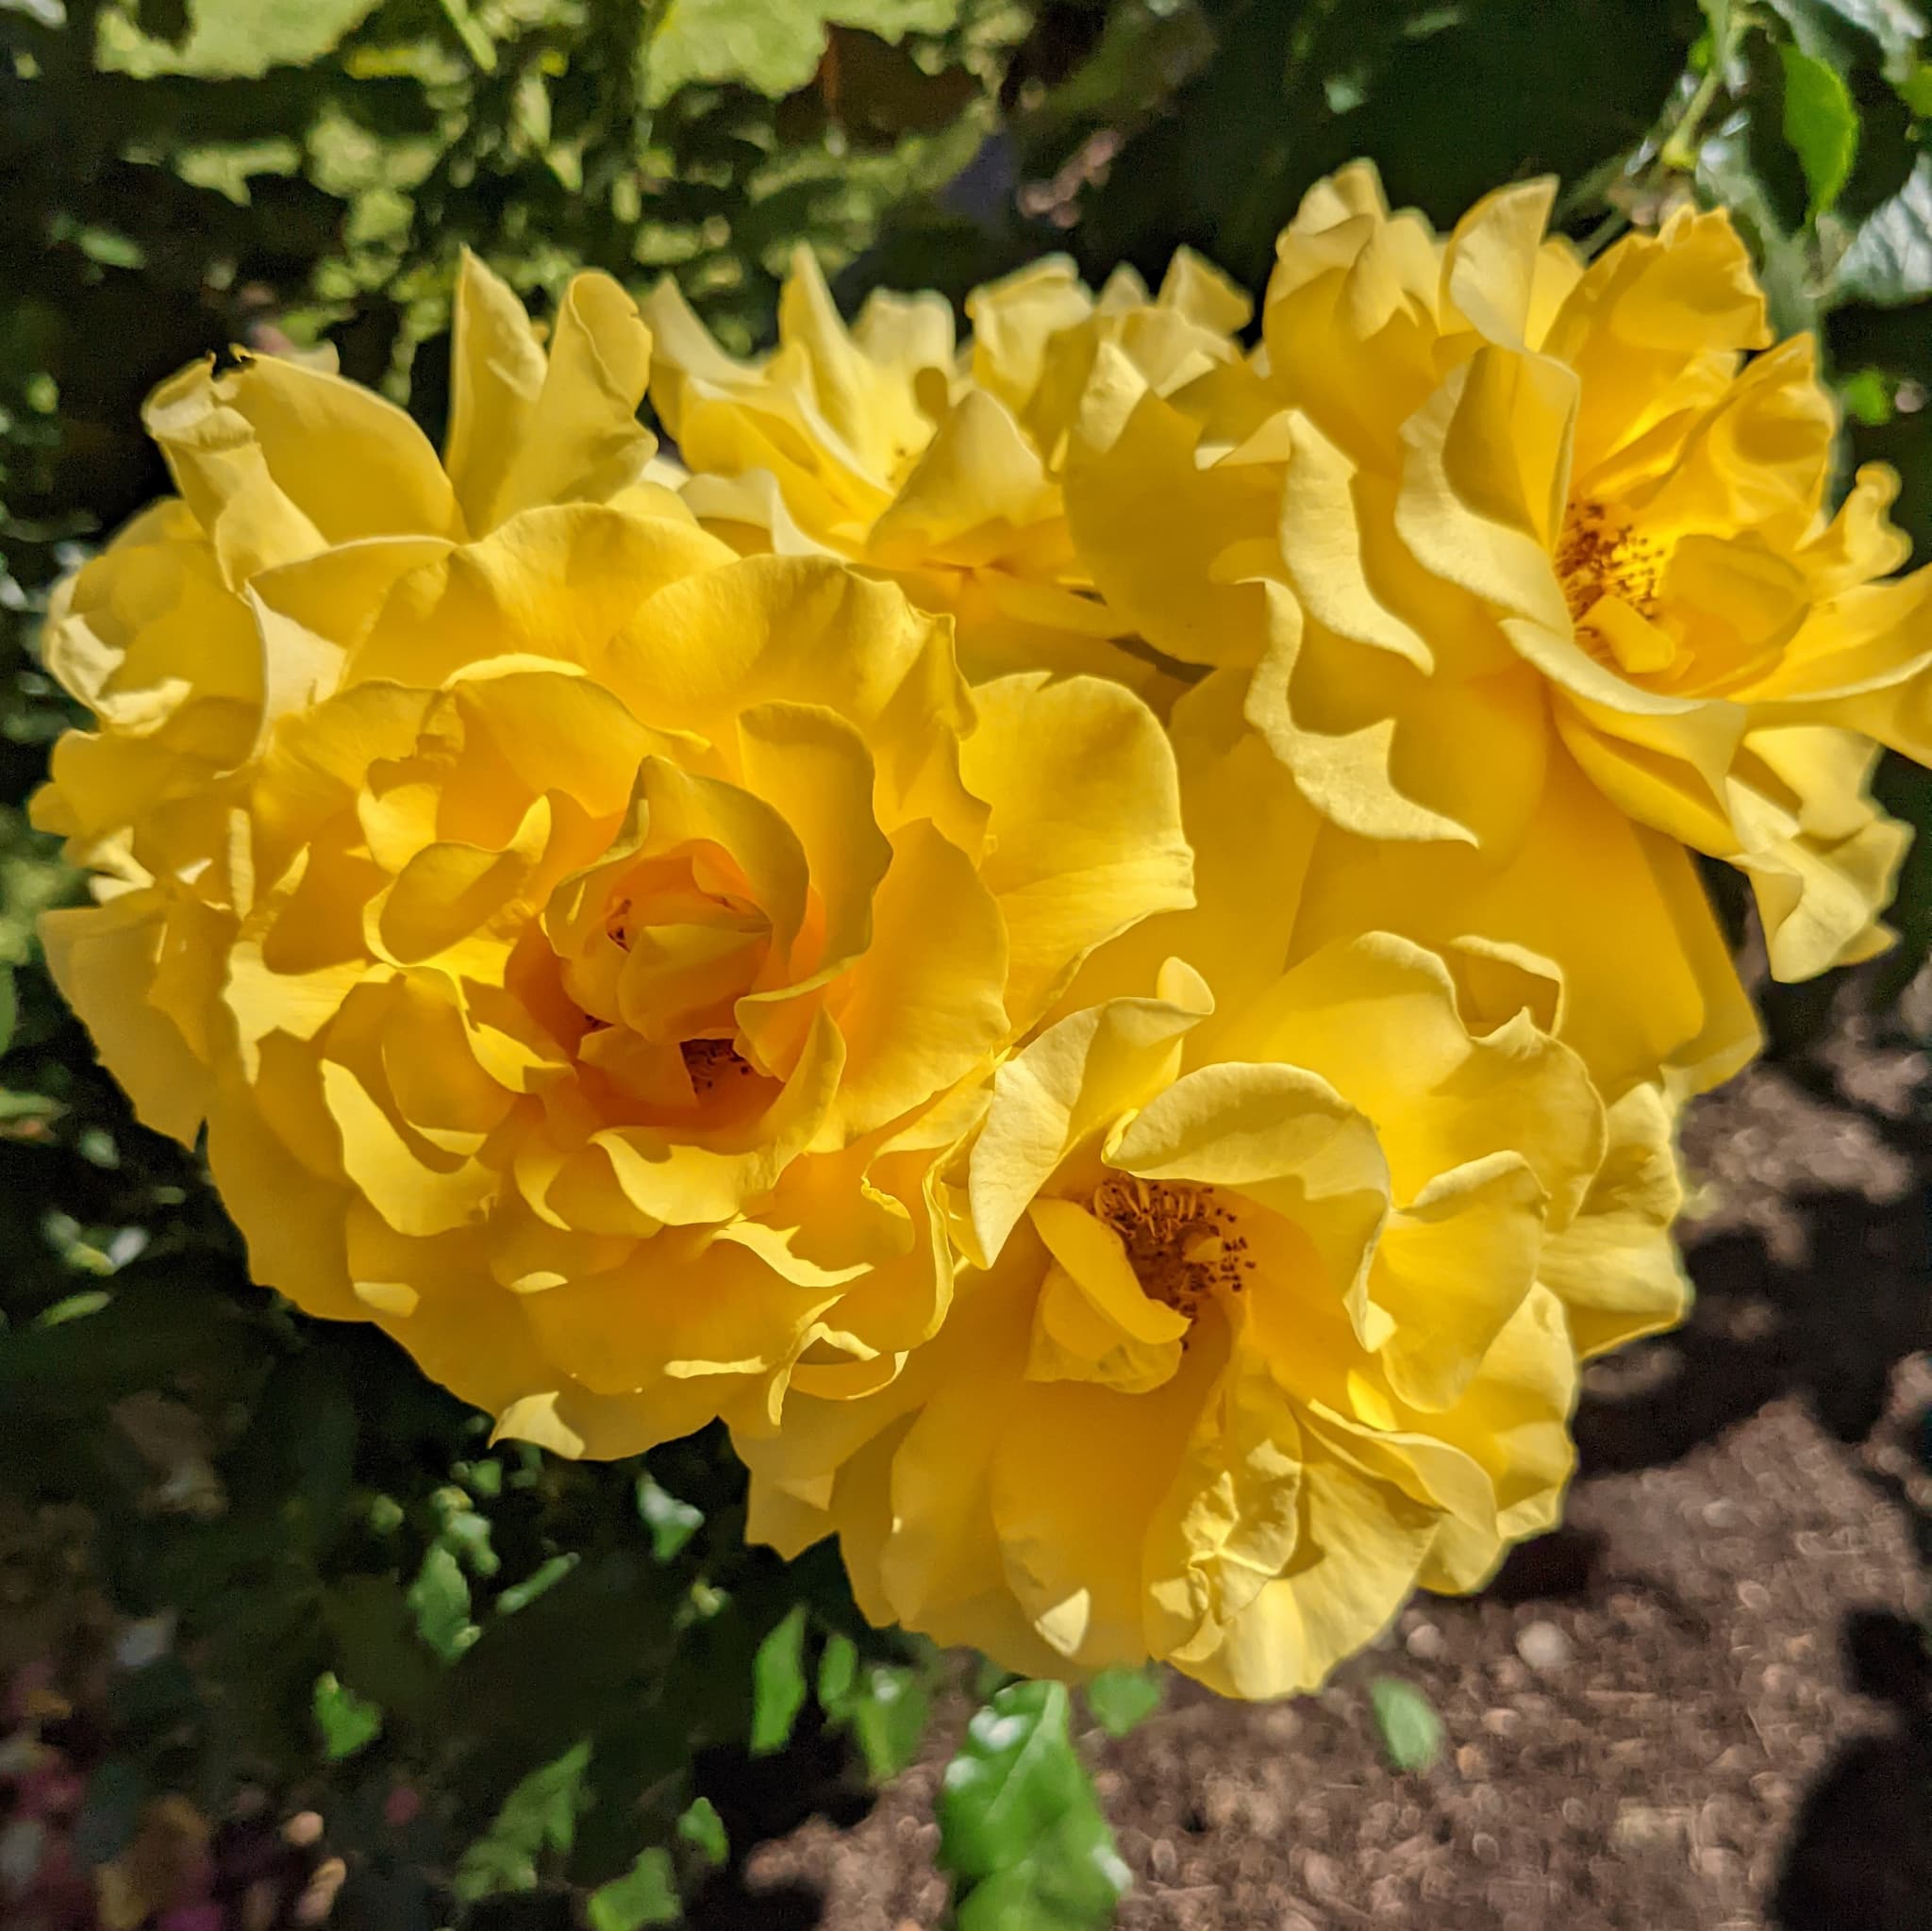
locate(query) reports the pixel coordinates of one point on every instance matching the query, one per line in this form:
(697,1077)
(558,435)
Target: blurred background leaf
(1021,1831)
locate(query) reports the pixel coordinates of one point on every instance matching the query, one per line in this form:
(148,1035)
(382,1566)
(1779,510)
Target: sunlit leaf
(645,1894)
(773,48)
(672,1523)
(231,37)
(1020,1829)
(888,1710)
(703,1830)
(521,1595)
(778,1686)
(1821,124)
(838,1666)
(539,1816)
(1868,396)
(347,1722)
(440,1598)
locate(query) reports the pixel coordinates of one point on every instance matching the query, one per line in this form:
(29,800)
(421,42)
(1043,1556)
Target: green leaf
(466,1536)
(1890,260)
(521,1595)
(838,1669)
(1915,88)
(439,1597)
(10,1008)
(774,49)
(672,1523)
(1411,1732)
(539,1815)
(1020,1829)
(883,1706)
(1820,125)
(1122,1698)
(1868,397)
(347,1722)
(475,39)
(703,1830)
(232,38)
(779,1687)
(645,1894)
(887,1711)
(73,1307)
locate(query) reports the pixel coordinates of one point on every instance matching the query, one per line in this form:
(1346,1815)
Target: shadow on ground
(1832,1326)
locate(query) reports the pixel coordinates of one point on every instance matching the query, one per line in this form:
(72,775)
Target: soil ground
(1703,1704)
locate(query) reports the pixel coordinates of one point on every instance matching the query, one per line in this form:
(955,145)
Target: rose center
(1599,557)
(712,1063)
(1181,1241)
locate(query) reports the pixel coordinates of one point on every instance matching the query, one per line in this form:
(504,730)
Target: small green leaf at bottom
(645,1894)
(888,1710)
(1020,1829)
(347,1722)
(1410,1729)
(703,1830)
(1122,1698)
(672,1523)
(778,1686)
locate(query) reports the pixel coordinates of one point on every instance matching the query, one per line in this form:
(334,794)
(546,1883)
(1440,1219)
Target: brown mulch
(1703,1704)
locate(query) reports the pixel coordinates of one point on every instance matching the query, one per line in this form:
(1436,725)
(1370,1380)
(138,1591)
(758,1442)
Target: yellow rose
(581,943)
(1259,1345)
(276,461)
(936,466)
(1527,569)
(1281,1279)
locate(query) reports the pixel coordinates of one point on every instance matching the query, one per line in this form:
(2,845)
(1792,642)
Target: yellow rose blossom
(1527,569)
(1259,1345)
(1282,1279)
(276,461)
(579,941)
(936,465)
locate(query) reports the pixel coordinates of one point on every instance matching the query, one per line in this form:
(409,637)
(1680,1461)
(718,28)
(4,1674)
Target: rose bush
(671,941)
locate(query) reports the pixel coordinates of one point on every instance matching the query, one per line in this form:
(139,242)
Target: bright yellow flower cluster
(1091,937)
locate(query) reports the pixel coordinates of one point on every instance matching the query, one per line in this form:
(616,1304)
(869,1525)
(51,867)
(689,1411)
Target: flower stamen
(1180,1239)
(711,1063)
(1597,557)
